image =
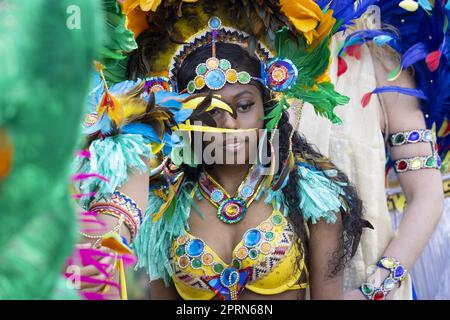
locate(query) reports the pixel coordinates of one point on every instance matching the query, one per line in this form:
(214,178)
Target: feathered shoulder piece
(321,197)
(168,211)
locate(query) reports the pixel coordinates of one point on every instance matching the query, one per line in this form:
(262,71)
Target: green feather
(44,80)
(311,63)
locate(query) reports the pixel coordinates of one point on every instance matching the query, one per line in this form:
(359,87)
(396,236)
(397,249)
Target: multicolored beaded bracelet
(412,136)
(416,163)
(118,204)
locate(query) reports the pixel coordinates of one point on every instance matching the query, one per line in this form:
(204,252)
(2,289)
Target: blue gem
(214,23)
(252,237)
(229,277)
(438,161)
(247,191)
(414,136)
(399,271)
(215,79)
(195,247)
(217,195)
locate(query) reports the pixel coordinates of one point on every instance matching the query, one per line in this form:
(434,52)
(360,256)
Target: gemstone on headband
(280,74)
(214,74)
(155,84)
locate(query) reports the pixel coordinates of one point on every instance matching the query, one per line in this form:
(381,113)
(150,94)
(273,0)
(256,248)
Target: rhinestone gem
(199,82)
(378,296)
(201,69)
(416,164)
(182,239)
(277,219)
(214,23)
(207,259)
(183,262)
(191,87)
(242,253)
(389,284)
(269,235)
(217,195)
(231,75)
(212,63)
(244,77)
(414,136)
(253,254)
(430,162)
(427,136)
(266,226)
(399,271)
(196,263)
(252,237)
(180,251)
(367,288)
(402,165)
(215,79)
(399,138)
(218,268)
(224,64)
(388,263)
(229,277)
(195,247)
(265,248)
(247,191)
(236,263)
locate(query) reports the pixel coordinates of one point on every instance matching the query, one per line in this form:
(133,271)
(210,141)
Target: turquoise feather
(153,242)
(114,158)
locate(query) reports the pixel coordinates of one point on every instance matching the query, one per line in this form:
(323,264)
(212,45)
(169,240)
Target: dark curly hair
(240,60)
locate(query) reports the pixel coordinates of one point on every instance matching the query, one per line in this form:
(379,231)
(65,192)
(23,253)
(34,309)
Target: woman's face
(247,103)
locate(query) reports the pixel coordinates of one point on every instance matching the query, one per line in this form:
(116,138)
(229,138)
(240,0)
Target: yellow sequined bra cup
(265,262)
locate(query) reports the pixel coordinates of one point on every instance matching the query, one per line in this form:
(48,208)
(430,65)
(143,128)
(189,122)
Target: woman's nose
(228,122)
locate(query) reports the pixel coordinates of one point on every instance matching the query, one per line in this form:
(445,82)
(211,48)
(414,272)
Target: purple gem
(399,271)
(414,136)
(438,161)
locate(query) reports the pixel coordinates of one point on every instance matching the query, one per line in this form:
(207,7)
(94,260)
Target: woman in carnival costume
(224,231)
(375,57)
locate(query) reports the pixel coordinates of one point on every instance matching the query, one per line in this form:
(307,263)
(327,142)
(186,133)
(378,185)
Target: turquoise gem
(215,79)
(427,136)
(224,64)
(217,195)
(195,248)
(214,23)
(201,69)
(269,235)
(180,251)
(253,254)
(252,237)
(247,191)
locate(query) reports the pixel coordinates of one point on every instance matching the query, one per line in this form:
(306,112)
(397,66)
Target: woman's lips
(233,145)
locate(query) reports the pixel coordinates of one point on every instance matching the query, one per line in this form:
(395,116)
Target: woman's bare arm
(324,244)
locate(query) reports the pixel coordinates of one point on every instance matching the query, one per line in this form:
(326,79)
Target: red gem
(378,296)
(402,165)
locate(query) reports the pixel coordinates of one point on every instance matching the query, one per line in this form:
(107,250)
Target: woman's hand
(91,271)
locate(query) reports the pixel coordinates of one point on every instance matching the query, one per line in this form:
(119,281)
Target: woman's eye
(214,112)
(245,107)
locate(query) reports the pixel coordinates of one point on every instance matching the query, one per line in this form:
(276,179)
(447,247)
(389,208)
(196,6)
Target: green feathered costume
(46,50)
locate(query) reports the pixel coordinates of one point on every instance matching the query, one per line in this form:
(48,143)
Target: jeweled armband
(411,136)
(416,163)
